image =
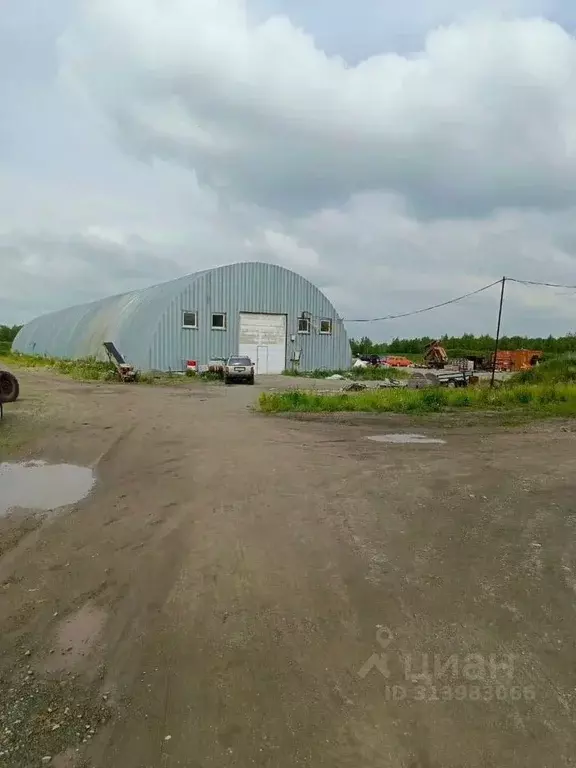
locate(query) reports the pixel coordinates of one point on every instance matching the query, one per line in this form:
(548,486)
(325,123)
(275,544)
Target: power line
(455,300)
(427,309)
(536,282)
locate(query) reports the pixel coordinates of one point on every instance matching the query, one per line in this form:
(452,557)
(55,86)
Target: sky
(395,154)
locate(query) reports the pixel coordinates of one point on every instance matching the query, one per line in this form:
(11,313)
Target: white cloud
(381,259)
(289,251)
(484,115)
(372,257)
(181,136)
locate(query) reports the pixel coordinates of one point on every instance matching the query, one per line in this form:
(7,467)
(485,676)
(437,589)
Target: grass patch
(85,369)
(557,370)
(210,376)
(537,400)
(91,369)
(358,374)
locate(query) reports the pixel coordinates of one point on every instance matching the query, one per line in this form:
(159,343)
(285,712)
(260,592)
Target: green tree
(466,345)
(8,332)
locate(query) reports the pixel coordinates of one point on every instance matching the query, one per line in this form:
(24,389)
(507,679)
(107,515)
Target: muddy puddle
(41,486)
(405,438)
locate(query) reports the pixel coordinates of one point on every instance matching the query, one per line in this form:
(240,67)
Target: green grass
(86,369)
(538,400)
(5,347)
(90,369)
(557,370)
(366,374)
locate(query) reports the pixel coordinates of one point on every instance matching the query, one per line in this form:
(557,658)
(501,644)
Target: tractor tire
(9,387)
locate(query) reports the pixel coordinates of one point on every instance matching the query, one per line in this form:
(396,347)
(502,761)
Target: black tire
(227,380)
(251,380)
(9,387)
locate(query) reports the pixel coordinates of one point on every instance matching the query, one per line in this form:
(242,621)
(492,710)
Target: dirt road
(248,591)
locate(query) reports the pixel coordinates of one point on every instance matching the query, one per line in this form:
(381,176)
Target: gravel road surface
(239,590)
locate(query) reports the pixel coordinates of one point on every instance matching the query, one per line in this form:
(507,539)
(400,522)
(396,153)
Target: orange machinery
(517,359)
(398,362)
(435,355)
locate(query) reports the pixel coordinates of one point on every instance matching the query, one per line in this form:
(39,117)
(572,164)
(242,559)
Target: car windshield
(239,361)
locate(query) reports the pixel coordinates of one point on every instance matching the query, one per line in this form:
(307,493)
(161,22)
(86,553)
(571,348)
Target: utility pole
(497,333)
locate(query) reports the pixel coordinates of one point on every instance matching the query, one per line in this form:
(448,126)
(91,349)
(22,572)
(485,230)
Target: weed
(561,369)
(91,369)
(434,399)
(535,400)
(85,369)
(366,374)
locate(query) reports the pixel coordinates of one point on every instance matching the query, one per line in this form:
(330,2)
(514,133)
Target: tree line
(8,332)
(466,345)
(455,346)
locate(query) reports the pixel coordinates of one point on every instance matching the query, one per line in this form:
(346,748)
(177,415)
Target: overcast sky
(396,154)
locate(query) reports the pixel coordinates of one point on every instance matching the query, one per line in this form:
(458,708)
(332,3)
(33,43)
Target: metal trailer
(454,379)
(451,379)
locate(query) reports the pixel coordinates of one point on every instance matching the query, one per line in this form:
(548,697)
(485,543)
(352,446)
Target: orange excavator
(435,355)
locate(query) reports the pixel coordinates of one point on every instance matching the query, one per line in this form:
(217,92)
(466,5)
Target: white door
(261,359)
(263,340)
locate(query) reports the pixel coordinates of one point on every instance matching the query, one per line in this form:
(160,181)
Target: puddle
(405,438)
(42,486)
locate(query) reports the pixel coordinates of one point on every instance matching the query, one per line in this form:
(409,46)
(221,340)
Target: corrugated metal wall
(146,325)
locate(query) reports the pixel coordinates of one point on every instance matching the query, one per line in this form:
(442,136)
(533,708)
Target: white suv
(238,368)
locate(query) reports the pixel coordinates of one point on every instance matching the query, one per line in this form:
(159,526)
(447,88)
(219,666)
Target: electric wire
(536,282)
(426,309)
(460,298)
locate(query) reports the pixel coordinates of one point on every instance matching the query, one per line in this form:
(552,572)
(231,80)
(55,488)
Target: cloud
(70,242)
(179,137)
(483,116)
(42,272)
(287,250)
(372,257)
(377,258)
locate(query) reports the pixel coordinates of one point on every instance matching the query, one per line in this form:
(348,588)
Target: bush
(560,369)
(543,400)
(84,369)
(434,399)
(210,376)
